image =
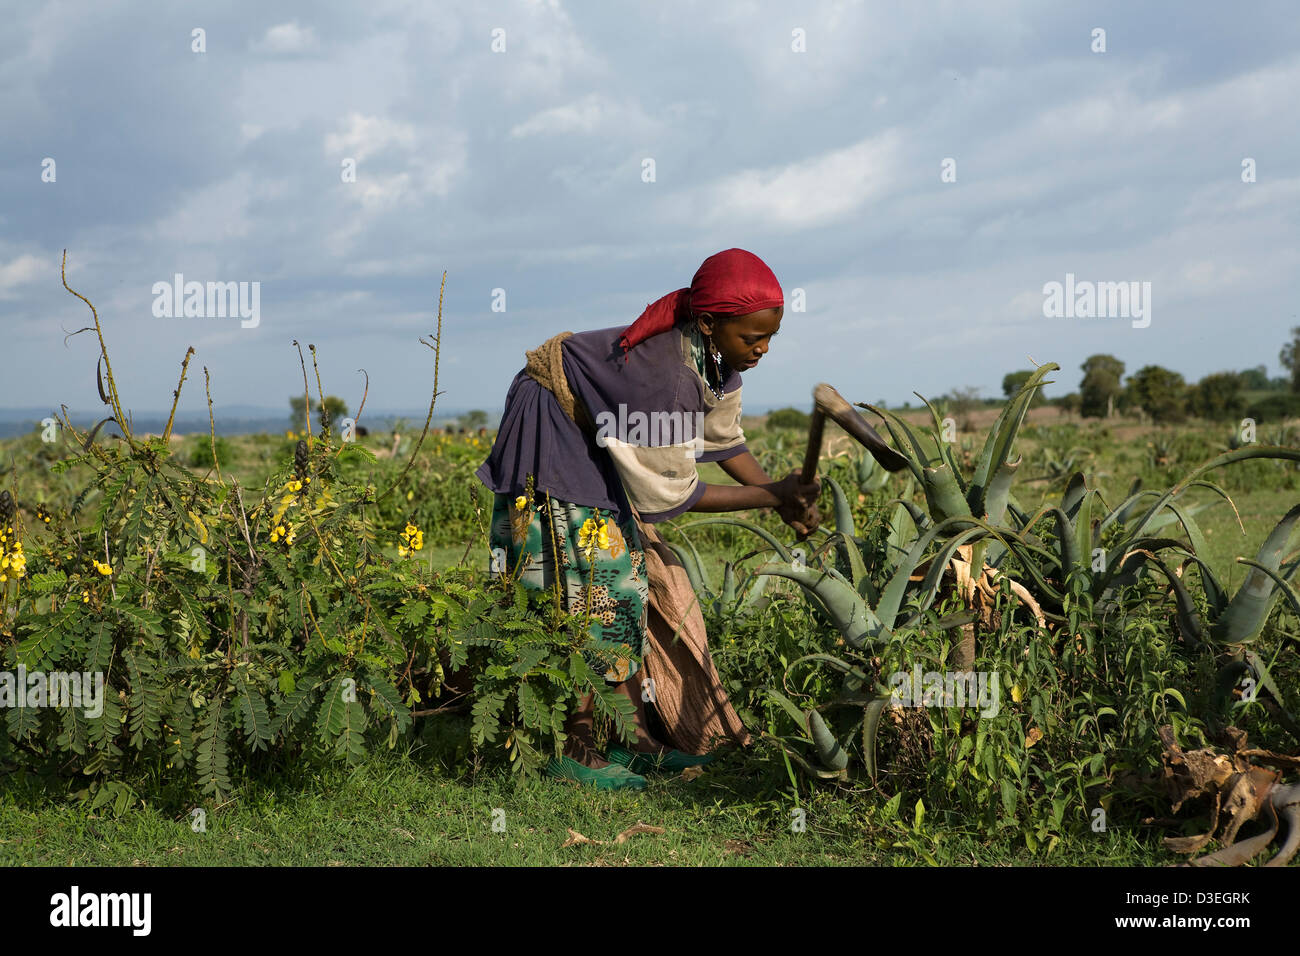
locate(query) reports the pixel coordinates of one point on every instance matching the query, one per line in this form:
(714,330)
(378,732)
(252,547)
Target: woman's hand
(798,506)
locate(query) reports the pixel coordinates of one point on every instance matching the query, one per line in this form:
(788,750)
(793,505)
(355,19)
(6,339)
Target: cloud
(363,136)
(286,39)
(22,270)
(811,192)
(582,116)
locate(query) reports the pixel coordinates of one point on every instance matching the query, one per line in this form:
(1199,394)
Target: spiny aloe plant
(863,614)
(737,597)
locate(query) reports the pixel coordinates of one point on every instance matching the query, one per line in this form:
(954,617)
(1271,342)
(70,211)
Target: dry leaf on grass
(636,828)
(575,837)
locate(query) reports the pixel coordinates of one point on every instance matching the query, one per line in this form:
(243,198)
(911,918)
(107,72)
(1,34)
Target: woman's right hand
(798,506)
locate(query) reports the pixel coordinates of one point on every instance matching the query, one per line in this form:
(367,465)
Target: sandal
(674,761)
(613,777)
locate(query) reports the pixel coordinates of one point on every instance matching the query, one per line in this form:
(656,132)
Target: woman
(610,424)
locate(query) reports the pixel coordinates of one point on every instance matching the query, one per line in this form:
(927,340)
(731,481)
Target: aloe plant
(737,596)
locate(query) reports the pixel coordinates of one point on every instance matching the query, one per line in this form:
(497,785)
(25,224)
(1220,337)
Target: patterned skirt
(601,569)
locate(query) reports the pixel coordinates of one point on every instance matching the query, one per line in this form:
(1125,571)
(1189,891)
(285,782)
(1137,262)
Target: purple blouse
(639,454)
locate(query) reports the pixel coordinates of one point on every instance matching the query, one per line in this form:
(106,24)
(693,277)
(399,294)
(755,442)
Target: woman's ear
(705,322)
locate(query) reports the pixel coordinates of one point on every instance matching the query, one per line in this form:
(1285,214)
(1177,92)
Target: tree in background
(1290,358)
(1217,396)
(1255,379)
(335,410)
(1013,382)
(1159,392)
(471,420)
(1100,386)
(1069,404)
(788,418)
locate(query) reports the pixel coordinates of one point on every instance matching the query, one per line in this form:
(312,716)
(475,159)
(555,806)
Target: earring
(717,367)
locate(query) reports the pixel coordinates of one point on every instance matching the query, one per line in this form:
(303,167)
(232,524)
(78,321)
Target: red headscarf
(731,282)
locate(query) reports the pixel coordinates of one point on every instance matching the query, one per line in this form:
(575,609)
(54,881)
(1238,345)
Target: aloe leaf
(829,751)
(1189,622)
(1125,507)
(1266,681)
(1193,530)
(1215,595)
(855,621)
(1245,614)
(904,438)
(870,729)
(785,704)
(1073,494)
(943,493)
(1085,536)
(891,599)
(877,481)
(1124,511)
(728,595)
(997,445)
(994,506)
(1067,542)
(944,448)
(934,577)
(694,573)
(851,555)
(1240,454)
(782,551)
(753,588)
(807,767)
(843,513)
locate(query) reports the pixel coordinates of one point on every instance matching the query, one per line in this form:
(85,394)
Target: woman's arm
(794,501)
(739,497)
(745,469)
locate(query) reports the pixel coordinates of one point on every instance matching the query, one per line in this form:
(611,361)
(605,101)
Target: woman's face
(742,339)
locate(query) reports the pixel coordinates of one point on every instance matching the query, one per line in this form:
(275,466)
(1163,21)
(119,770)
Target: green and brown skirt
(600,568)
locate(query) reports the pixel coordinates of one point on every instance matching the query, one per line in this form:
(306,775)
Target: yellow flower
(521,502)
(410,529)
(410,495)
(104,569)
(85,597)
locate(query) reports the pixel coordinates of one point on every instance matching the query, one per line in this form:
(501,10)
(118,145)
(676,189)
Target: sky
(916,174)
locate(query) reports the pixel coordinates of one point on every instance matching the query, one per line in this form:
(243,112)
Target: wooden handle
(814,446)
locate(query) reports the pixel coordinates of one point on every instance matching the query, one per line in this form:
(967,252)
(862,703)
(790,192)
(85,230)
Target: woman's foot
(665,761)
(582,749)
(609,777)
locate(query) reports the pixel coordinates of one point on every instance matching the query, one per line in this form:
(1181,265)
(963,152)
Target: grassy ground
(396,809)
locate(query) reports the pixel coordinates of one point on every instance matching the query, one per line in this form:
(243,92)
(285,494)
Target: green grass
(396,809)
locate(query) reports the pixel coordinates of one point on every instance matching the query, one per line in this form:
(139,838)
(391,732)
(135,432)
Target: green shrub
(788,418)
(200,451)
